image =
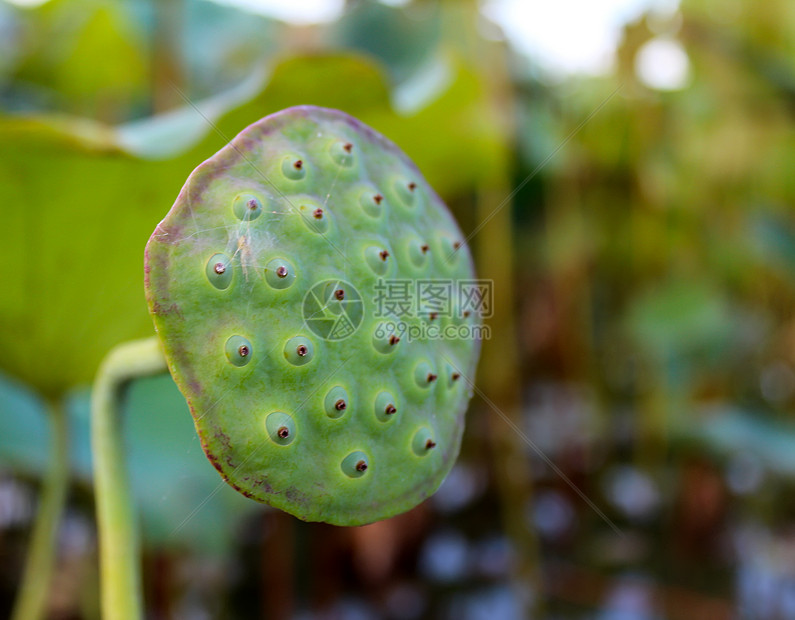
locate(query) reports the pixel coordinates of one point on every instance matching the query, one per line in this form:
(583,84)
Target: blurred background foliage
(637,220)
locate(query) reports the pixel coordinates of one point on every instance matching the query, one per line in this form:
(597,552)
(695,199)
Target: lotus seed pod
(266,282)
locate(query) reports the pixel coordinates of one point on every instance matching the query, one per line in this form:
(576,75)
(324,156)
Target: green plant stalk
(119,557)
(32,597)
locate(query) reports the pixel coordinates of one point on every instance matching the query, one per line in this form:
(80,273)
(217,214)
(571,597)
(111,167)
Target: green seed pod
(264,282)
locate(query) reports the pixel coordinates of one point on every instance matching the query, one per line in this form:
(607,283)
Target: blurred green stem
(120,578)
(499,370)
(33,593)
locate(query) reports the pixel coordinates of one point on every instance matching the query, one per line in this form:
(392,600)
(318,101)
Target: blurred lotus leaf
(681,320)
(181,500)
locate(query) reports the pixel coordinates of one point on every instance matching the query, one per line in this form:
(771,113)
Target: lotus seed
(404,192)
(279,273)
(385,345)
(423,442)
(238,350)
(355,464)
(218,273)
(298,350)
(280,428)
(424,375)
(247,207)
(416,253)
(450,250)
(293,168)
(384,406)
(370,202)
(341,153)
(314,216)
(376,258)
(336,402)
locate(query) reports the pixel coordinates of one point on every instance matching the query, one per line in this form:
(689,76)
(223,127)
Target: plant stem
(32,597)
(120,578)
(499,367)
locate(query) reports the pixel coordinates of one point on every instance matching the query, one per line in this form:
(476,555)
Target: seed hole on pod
(336,402)
(280,428)
(315,217)
(219,271)
(424,375)
(385,407)
(342,152)
(356,464)
(294,168)
(238,350)
(417,255)
(247,207)
(371,203)
(378,259)
(453,376)
(299,350)
(450,249)
(337,298)
(279,273)
(406,190)
(384,342)
(423,442)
